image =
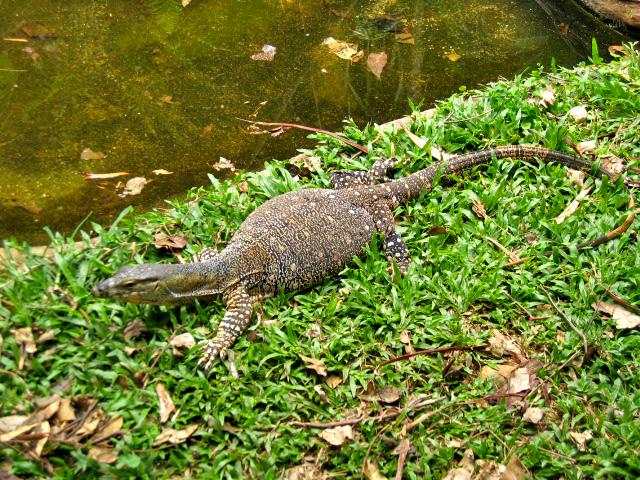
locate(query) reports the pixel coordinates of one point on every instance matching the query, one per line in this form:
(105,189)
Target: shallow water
(99,74)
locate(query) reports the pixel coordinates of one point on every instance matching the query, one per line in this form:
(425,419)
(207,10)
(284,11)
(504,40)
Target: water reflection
(153,85)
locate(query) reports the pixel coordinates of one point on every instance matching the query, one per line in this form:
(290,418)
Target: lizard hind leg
(350,178)
(394,247)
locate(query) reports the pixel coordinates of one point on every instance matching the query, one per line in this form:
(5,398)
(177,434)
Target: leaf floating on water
(357,57)
(342,49)
(208,130)
(102,176)
(453,56)
(88,154)
(267,54)
(168,99)
(376,62)
(405,37)
(185,2)
(224,164)
(133,186)
(162,171)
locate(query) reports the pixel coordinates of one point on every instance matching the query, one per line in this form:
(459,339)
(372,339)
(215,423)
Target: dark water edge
(104,71)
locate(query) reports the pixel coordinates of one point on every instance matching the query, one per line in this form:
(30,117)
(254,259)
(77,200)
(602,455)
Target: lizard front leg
(379,173)
(239,308)
(394,247)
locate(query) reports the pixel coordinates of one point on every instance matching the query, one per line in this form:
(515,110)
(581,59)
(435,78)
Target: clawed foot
(210,350)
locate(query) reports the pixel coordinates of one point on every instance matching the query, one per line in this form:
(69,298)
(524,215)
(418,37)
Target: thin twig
(373,442)
(429,351)
(616,232)
(512,256)
(531,317)
(310,129)
(585,342)
(621,301)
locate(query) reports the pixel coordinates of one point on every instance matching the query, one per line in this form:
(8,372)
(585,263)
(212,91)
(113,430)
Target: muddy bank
(626,12)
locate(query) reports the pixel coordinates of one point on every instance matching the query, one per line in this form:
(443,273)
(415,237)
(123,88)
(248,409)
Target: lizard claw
(210,350)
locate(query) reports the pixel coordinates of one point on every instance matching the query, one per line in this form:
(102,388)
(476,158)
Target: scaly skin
(296,239)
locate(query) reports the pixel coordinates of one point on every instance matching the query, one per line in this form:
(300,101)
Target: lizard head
(159,284)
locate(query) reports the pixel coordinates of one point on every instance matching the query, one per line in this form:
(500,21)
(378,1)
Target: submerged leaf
(266,55)
(376,62)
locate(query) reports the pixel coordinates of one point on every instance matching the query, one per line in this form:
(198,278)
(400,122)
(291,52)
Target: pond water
(155,85)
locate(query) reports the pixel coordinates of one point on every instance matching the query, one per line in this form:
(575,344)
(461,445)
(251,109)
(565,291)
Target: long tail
(411,186)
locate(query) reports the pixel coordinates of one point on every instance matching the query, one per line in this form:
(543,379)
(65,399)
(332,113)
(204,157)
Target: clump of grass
(457,293)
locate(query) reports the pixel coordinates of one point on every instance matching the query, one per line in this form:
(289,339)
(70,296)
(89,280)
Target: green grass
(457,291)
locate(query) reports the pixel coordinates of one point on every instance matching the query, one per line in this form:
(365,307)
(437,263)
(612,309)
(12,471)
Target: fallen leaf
(243,187)
(616,49)
(388,394)
(623,317)
(372,472)
(266,55)
(88,154)
(208,130)
(519,380)
(453,56)
(547,97)
(224,164)
(103,176)
(306,471)
(171,242)
(162,171)
(515,470)
(134,329)
(11,422)
(405,37)
(133,186)
(112,427)
(376,62)
(439,154)
(342,49)
(167,406)
(65,413)
(587,146)
(185,2)
(614,164)
(168,99)
(581,438)
(357,57)
(103,455)
(31,52)
(499,344)
(419,141)
(573,206)
(338,435)
(182,341)
(32,209)
(174,436)
(533,415)
(465,468)
(577,176)
(333,381)
(314,364)
(579,113)
(479,210)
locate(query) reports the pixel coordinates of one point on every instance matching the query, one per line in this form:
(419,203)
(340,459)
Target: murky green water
(99,74)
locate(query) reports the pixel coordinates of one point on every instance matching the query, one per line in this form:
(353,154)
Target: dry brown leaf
(134,329)
(577,176)
(162,171)
(167,406)
(168,99)
(616,49)
(266,55)
(11,422)
(465,468)
(614,164)
(581,438)
(103,454)
(182,341)
(103,176)
(588,146)
(333,381)
(8,436)
(133,186)
(499,344)
(579,114)
(533,415)
(91,424)
(207,130)
(515,470)
(88,154)
(439,154)
(338,435)
(479,210)
(499,375)
(113,426)
(519,380)
(306,471)
(357,57)
(342,49)
(372,472)
(376,62)
(174,436)
(405,37)
(223,164)
(453,56)
(573,206)
(388,394)
(419,141)
(547,97)
(623,317)
(171,242)
(65,413)
(314,364)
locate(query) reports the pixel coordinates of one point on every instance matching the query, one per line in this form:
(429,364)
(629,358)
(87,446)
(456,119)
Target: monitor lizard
(294,240)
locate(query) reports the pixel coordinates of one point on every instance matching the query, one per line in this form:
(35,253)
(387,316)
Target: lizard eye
(129,284)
